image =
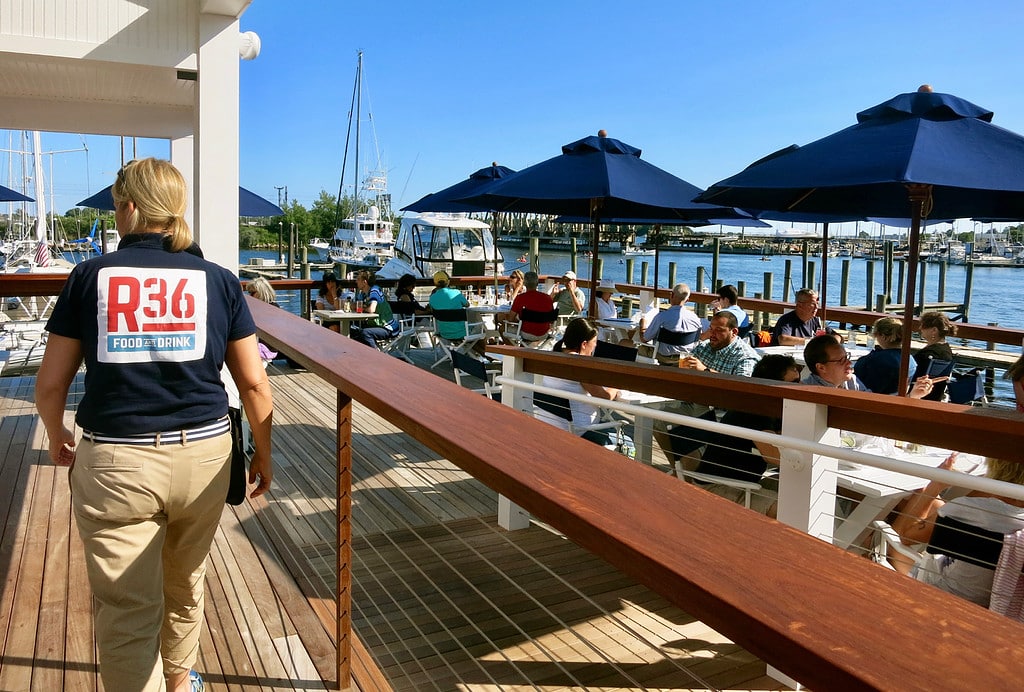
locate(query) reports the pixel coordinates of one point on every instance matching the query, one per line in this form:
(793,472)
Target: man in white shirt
(678,318)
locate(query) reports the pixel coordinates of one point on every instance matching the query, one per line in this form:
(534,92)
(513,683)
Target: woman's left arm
(61,361)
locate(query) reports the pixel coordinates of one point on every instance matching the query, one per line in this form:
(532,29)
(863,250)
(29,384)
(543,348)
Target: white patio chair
(474,332)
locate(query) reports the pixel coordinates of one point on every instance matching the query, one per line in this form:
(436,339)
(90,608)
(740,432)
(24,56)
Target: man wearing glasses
(828,365)
(801,324)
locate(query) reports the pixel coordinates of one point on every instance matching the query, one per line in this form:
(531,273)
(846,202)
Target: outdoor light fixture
(248,45)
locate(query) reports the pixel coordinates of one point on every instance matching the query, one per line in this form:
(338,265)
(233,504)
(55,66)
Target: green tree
(325,215)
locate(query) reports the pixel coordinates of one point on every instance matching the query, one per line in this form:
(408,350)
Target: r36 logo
(153,298)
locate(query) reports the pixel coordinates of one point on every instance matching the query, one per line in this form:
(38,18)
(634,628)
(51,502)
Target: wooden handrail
(820,615)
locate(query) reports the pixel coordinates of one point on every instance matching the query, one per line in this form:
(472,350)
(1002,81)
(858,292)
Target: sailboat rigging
(366,238)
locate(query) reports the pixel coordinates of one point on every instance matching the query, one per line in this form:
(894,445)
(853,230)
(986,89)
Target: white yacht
(634,251)
(363,241)
(455,243)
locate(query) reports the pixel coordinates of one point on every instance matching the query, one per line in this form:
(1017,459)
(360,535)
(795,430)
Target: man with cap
(445,297)
(568,297)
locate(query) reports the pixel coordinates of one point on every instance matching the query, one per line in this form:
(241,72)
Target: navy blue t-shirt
(154,327)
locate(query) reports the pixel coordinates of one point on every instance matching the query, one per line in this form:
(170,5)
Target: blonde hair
(1003,470)
(888,327)
(160,195)
(261,289)
(516,273)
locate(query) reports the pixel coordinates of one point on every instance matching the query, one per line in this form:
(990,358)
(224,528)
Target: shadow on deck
(443,598)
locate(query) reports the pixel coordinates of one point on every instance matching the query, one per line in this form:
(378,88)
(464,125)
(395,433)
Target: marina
(426,527)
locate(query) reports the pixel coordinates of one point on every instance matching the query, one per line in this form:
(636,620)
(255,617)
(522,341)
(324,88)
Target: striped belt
(202,432)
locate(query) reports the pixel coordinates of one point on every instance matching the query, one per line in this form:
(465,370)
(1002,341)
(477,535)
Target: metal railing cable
(566,626)
(367,620)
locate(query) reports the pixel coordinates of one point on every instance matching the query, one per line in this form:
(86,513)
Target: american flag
(42,254)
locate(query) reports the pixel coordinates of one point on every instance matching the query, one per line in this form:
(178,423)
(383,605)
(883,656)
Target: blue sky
(702,88)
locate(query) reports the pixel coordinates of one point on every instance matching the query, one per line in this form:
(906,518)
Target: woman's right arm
(915,522)
(61,360)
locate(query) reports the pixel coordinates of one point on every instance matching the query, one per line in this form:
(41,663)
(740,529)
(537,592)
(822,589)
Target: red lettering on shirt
(124,301)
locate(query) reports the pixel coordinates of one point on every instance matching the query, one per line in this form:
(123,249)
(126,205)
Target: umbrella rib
(802,198)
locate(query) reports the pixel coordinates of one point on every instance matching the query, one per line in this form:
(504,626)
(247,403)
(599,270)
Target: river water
(992,285)
(992,291)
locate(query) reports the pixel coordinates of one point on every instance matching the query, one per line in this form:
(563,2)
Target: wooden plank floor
(443,598)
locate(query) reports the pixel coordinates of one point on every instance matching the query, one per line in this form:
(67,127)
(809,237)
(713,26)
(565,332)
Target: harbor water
(988,302)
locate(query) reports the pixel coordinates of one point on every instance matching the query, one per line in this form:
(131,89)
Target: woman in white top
(987,512)
(580,339)
(606,309)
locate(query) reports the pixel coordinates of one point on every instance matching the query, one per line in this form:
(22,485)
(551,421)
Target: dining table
(488,314)
(619,327)
(643,426)
(342,318)
(880,490)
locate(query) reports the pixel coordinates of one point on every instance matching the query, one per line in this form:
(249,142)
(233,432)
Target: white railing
(803,457)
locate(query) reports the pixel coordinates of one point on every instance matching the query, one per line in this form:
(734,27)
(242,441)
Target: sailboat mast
(359,120)
(37,164)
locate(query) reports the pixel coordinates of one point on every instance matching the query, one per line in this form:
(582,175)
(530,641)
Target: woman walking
(153,323)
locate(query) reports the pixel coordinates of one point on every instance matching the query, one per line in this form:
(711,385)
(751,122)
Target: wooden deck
(443,599)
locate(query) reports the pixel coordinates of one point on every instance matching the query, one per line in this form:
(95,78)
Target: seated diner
(580,339)
(964,536)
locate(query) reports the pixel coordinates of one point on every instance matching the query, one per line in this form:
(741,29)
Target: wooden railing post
(807,482)
(343,545)
(511,516)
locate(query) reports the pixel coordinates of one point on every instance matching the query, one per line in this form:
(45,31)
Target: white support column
(511,516)
(183,158)
(807,483)
(215,190)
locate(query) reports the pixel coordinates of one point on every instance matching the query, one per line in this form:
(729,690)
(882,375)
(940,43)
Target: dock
(443,599)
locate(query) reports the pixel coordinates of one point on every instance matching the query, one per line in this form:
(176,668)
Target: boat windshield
(443,243)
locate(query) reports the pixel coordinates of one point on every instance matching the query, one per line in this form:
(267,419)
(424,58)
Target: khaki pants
(147,516)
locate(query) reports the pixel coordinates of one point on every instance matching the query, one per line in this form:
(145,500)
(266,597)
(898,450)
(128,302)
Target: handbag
(238,481)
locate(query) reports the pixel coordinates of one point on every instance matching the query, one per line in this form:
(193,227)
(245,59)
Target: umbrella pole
(824,271)
(594,278)
(494,242)
(920,195)
(657,258)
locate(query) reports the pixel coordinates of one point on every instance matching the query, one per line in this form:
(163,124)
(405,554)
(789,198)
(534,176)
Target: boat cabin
(454,243)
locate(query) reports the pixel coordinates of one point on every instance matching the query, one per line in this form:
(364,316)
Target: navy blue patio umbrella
(9,195)
(445,200)
(249,203)
(598,178)
(922,155)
